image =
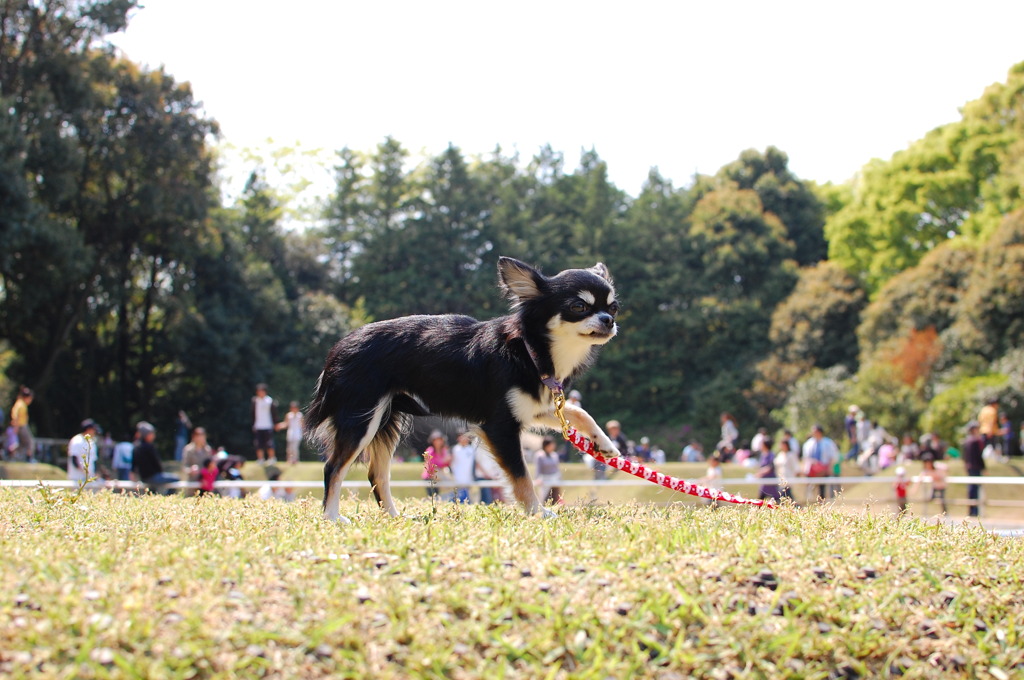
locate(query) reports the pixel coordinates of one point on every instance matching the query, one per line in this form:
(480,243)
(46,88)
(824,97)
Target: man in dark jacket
(974,461)
(146,465)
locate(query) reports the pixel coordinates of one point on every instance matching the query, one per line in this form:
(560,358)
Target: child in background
(436,460)
(268,492)
(208,475)
(234,474)
(786,468)
(900,487)
(10,442)
(549,474)
(713,477)
(936,473)
(292,425)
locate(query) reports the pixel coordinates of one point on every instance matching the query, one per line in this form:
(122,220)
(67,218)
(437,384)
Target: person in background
(269,491)
(208,475)
(931,445)
(863,429)
(643,450)
(146,465)
(850,426)
(712,477)
(193,455)
(182,427)
(575,398)
(936,474)
(122,460)
(436,460)
(26,448)
(729,434)
(693,453)
(1006,435)
(988,423)
(786,468)
(264,416)
(233,473)
(83,450)
(881,445)
(766,470)
(794,443)
(549,474)
(820,453)
(972,451)
(657,454)
(614,430)
(106,453)
(899,487)
(10,443)
(488,469)
(755,442)
(463,464)
(292,426)
(909,450)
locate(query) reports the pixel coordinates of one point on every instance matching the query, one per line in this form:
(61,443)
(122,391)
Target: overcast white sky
(678,85)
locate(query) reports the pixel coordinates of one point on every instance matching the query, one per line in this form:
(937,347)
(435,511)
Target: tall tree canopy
(959,179)
(124,292)
(784,195)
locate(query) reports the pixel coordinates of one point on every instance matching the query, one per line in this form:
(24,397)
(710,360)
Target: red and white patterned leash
(573,436)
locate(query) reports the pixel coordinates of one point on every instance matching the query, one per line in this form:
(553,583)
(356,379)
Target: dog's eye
(578,306)
(613,308)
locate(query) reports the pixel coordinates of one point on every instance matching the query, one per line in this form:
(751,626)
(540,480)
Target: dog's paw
(340,519)
(548,513)
(605,445)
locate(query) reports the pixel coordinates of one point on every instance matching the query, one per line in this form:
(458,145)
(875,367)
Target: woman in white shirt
(786,467)
(462,466)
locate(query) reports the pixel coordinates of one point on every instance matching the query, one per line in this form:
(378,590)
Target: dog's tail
(320,420)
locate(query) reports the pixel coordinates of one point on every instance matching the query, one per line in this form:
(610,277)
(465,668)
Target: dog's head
(577,306)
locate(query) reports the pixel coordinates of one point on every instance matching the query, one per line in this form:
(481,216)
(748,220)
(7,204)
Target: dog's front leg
(583,422)
(503,442)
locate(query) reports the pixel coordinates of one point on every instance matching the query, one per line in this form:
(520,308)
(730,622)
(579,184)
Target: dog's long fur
(380,375)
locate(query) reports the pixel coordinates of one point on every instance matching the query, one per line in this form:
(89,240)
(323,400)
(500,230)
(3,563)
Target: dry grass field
(120,586)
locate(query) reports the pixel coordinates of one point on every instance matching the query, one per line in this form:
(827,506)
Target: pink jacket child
(208,475)
(435,459)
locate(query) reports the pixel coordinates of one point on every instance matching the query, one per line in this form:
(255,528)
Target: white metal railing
(803,486)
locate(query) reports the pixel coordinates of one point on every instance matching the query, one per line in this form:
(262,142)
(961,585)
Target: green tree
(819,397)
(989,318)
(816,326)
(118,170)
(959,179)
(343,219)
(924,296)
(651,259)
(793,201)
(959,403)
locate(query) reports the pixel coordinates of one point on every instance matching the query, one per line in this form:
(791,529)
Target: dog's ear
(519,281)
(602,271)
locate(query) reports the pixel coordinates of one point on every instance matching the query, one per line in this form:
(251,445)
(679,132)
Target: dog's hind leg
(381,450)
(334,475)
(351,437)
(503,443)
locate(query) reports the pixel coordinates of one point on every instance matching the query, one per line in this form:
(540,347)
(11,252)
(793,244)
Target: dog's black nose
(606,319)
